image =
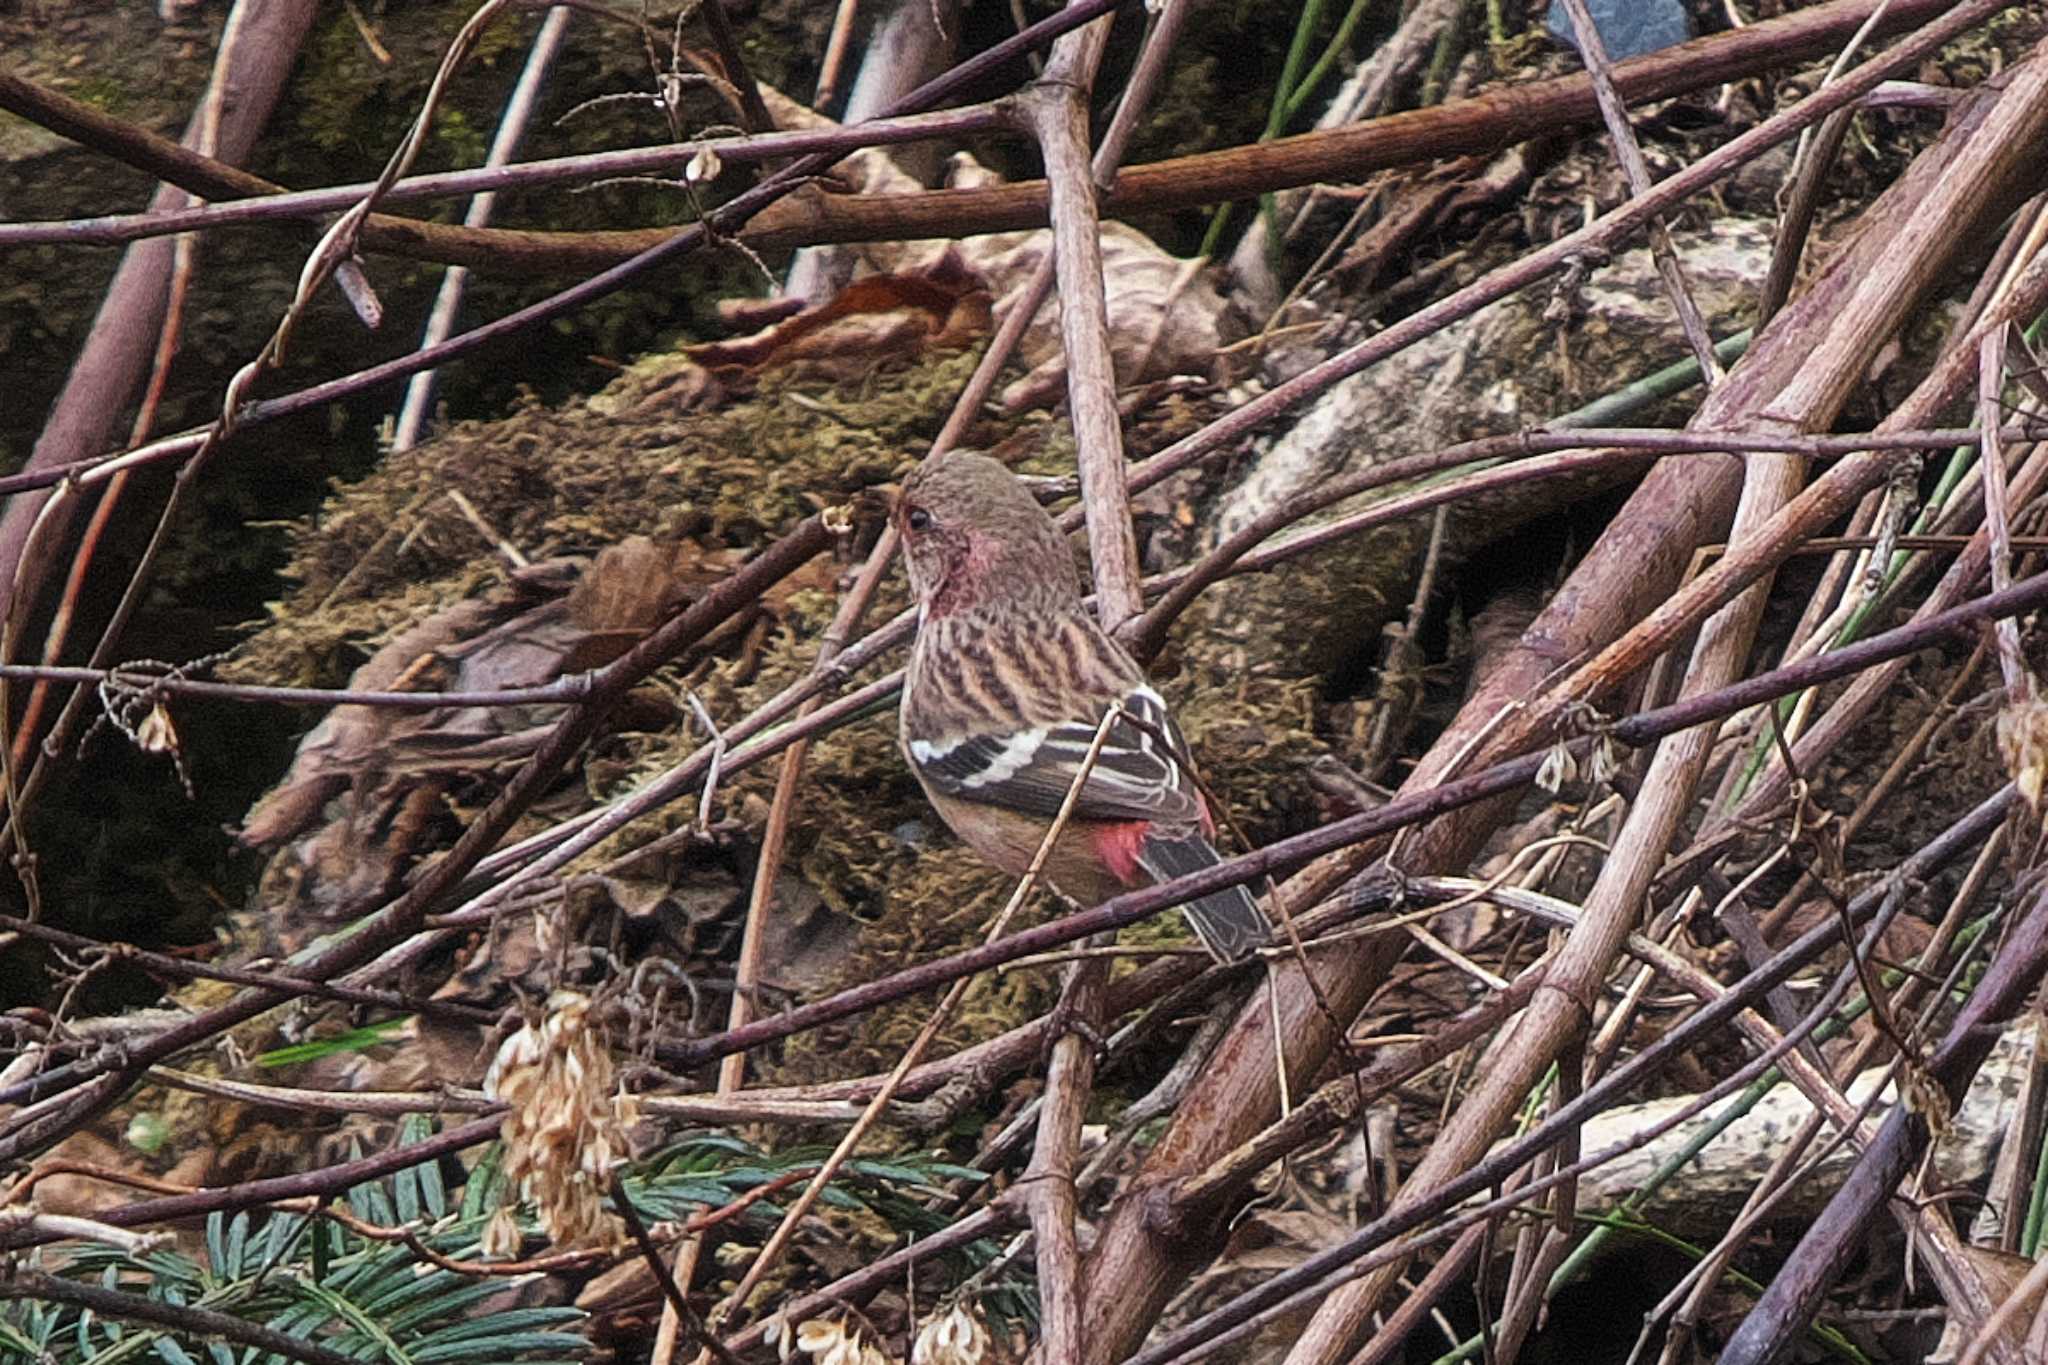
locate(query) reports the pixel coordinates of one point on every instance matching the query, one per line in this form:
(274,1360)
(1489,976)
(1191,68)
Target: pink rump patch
(1118,845)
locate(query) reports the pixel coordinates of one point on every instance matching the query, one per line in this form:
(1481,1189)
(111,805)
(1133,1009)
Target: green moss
(461,141)
(339,78)
(346,99)
(101,91)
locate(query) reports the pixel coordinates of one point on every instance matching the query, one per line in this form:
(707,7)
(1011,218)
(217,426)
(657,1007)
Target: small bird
(1008,683)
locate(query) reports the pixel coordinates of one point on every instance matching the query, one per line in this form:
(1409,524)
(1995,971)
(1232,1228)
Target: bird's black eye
(917,519)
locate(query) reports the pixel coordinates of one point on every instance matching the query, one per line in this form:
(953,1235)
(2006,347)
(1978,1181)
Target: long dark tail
(1229,922)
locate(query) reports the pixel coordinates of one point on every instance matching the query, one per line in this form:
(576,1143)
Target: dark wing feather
(1139,774)
(1229,922)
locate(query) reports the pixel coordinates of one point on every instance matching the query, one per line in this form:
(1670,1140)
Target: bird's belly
(1011,841)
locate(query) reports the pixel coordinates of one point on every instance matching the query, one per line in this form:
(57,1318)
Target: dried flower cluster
(832,1342)
(566,1125)
(2023,743)
(954,1337)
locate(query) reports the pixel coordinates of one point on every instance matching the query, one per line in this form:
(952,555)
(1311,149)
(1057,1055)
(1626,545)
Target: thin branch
(1600,68)
(1108,157)
(1057,111)
(1794,1293)
(540,56)
(184,970)
(321,1182)
(753,110)
(702,1109)
(200,1322)
(249,199)
(835,54)
(886,1270)
(678,1303)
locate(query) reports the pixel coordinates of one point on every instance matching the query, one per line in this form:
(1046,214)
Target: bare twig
(252,199)
(322,1181)
(2012,665)
(835,53)
(671,1291)
(1630,154)
(728,1109)
(1057,110)
(727,44)
(185,970)
(1136,97)
(419,390)
(199,1322)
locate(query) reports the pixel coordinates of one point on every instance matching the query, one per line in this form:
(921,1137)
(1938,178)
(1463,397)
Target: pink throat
(967,579)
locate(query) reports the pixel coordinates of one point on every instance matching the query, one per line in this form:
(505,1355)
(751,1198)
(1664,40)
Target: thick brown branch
(1483,124)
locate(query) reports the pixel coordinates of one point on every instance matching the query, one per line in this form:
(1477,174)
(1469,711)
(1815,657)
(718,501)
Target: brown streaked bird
(1008,683)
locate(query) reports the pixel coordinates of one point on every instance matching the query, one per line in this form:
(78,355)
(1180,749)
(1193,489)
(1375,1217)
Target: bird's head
(975,539)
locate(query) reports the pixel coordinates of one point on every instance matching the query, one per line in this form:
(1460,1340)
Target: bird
(1010,679)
